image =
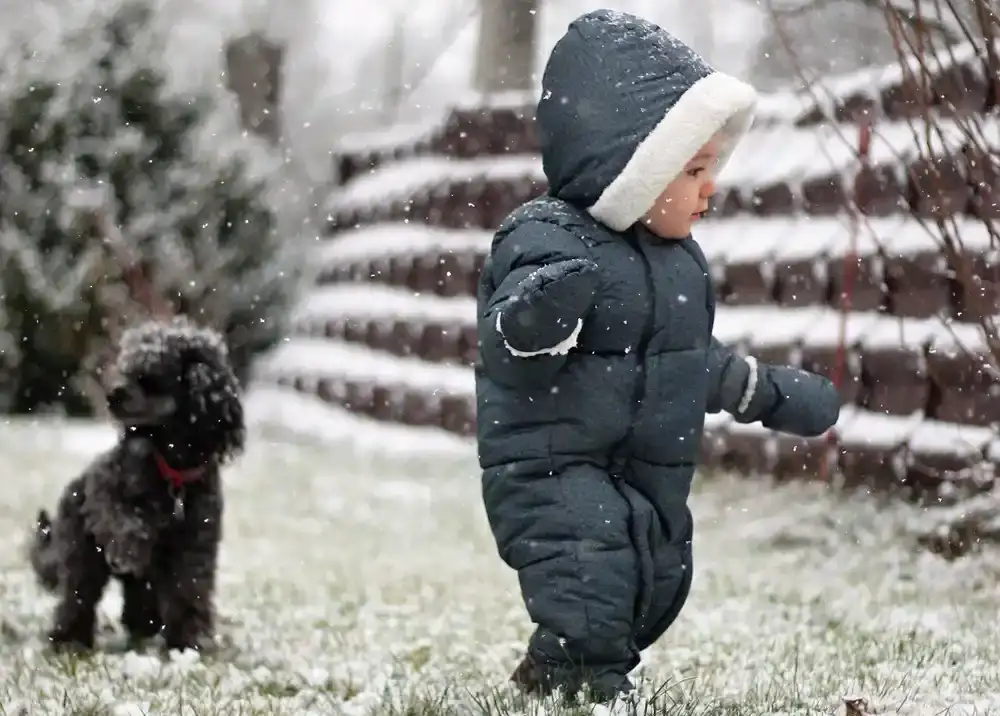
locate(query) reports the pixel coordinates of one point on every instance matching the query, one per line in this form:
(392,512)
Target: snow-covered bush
(94,140)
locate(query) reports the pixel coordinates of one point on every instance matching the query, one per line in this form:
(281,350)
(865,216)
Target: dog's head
(177,387)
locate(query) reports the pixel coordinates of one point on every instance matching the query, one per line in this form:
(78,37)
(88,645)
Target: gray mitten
(548,304)
(803,403)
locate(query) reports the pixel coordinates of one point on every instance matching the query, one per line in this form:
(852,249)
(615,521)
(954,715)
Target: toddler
(596,358)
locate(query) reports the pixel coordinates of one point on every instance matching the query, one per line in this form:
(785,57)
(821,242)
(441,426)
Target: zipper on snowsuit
(621,452)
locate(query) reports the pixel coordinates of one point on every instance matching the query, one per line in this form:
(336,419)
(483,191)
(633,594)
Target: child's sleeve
(541,283)
(779,397)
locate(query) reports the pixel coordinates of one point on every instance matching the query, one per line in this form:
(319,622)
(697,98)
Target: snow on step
(939,438)
(771,154)
(401,180)
(781,154)
(872,81)
(819,326)
(787,239)
(325,358)
(386,140)
(399,239)
(367,300)
(782,106)
(290,409)
(877,430)
(504,100)
(760,326)
(320,358)
(859,428)
(393,137)
(928,437)
(868,81)
(729,240)
(856,427)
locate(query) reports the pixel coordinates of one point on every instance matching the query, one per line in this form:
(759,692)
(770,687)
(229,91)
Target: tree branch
(922,21)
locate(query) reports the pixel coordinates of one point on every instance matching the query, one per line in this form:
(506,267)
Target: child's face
(686,197)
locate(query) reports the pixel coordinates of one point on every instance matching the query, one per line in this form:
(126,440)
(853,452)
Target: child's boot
(525,677)
(532,679)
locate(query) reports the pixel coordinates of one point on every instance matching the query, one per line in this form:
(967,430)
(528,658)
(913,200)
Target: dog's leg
(186,605)
(186,586)
(140,612)
(83,577)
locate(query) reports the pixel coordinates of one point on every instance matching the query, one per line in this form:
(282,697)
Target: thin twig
(918,23)
(921,63)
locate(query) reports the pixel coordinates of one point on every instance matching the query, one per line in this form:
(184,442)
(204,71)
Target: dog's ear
(200,376)
(205,348)
(202,366)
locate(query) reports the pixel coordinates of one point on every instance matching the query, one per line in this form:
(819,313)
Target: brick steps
(776,172)
(900,267)
(466,131)
(389,331)
(925,458)
(506,128)
(438,191)
(959,86)
(893,366)
(374,383)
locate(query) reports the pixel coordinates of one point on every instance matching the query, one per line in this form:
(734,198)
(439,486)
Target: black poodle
(149,511)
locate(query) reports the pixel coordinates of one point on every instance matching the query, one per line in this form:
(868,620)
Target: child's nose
(707,189)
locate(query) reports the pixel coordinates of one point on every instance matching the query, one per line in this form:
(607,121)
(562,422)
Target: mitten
(547,307)
(792,401)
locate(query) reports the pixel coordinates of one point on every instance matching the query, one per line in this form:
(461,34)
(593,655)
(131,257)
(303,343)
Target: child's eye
(695,172)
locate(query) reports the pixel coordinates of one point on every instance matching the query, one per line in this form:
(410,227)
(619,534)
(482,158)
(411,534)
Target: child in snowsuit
(596,357)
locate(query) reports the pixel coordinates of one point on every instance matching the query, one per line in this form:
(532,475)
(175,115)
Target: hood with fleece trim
(625,106)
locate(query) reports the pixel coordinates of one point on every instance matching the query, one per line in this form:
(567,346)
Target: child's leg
(674,572)
(566,532)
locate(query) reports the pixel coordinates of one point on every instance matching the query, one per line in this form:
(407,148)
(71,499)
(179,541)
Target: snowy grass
(366,582)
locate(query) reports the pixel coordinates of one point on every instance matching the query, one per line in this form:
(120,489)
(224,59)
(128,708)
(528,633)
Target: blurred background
(169,155)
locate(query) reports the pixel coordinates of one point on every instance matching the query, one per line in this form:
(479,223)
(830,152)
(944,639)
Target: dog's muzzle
(132,406)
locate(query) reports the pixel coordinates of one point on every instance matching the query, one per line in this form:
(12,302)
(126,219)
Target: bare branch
(919,21)
(942,133)
(786,10)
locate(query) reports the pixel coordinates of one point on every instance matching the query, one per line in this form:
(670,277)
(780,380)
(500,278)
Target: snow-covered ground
(358,573)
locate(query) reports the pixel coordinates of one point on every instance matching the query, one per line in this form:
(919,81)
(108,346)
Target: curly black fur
(178,403)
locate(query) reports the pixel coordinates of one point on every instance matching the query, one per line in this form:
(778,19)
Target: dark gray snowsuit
(597,363)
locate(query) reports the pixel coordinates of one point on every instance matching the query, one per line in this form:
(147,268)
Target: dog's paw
(204,645)
(62,642)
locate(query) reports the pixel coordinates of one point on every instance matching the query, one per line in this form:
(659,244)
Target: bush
(94,141)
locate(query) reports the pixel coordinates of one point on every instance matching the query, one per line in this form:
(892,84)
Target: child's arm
(781,398)
(544,284)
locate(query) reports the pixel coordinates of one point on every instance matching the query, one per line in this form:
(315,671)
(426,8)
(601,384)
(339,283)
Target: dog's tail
(41,553)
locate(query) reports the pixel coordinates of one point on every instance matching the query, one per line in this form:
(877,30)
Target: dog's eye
(151,384)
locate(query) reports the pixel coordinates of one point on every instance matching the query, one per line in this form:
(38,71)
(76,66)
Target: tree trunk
(505,57)
(254,69)
(703,24)
(394,57)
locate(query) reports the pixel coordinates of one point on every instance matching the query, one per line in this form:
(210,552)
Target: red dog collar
(176,477)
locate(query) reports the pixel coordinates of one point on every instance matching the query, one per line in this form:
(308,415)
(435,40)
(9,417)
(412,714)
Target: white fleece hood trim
(715,102)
